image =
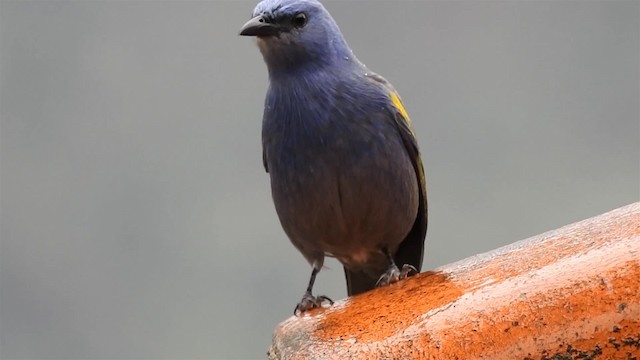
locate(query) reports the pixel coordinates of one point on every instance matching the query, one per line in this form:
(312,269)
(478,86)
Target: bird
(346,173)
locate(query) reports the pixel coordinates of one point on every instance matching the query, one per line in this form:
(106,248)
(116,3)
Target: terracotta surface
(572,293)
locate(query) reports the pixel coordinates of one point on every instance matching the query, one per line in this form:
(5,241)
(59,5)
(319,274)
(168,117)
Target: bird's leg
(393,273)
(309,301)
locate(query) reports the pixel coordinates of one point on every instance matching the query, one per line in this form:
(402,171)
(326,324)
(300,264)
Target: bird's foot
(393,274)
(309,302)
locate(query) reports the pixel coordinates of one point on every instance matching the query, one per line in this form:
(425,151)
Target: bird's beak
(258,26)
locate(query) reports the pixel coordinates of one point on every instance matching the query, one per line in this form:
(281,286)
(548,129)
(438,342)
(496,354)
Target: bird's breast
(341,180)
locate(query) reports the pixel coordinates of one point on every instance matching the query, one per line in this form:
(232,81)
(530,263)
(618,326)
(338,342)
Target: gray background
(136,217)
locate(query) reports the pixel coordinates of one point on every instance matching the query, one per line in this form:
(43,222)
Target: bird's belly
(345,202)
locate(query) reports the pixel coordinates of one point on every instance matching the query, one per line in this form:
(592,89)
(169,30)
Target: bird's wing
(411,249)
(264,160)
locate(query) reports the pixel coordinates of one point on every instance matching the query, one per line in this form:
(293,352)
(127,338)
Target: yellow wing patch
(398,104)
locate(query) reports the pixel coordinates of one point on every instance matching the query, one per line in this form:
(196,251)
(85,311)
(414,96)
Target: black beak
(258,26)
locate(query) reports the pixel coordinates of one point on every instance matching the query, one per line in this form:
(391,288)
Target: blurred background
(136,217)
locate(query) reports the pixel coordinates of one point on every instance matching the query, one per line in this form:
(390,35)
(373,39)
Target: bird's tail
(359,282)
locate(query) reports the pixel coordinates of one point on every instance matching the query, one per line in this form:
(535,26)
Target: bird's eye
(300,20)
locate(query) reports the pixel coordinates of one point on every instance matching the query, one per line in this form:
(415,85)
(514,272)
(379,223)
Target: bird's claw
(393,274)
(407,270)
(309,302)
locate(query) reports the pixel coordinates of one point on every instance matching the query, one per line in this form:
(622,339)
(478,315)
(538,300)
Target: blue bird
(346,175)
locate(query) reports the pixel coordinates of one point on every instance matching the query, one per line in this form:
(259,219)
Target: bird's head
(296,33)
